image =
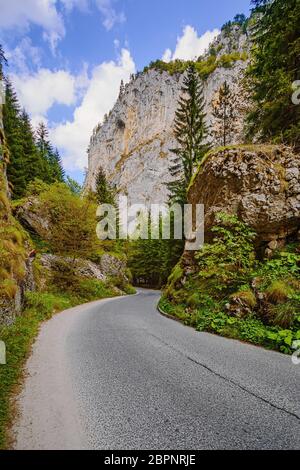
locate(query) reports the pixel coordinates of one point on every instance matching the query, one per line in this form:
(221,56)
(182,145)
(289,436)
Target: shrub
(47,304)
(247,297)
(230,258)
(129,290)
(278,292)
(283,315)
(91,289)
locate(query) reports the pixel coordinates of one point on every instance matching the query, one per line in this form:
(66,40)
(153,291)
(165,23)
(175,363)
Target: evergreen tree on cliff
(191,133)
(105,194)
(224,113)
(275,67)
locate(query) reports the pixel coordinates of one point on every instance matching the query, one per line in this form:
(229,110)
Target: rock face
(109,266)
(31,217)
(259,184)
(133,144)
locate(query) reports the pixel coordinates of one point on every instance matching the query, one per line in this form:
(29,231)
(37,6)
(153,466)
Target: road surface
(115,374)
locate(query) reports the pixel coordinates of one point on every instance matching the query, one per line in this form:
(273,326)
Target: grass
(249,329)
(20,336)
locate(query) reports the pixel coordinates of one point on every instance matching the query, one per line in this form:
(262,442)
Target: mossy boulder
(258,184)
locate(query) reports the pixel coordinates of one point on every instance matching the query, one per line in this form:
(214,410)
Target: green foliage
(18,339)
(283,265)
(205,67)
(74,187)
(46,304)
(105,193)
(31,157)
(239,20)
(248,329)
(278,292)
(51,162)
(191,132)
(224,114)
(274,68)
(235,295)
(36,187)
(151,261)
(230,258)
(12,247)
(92,289)
(72,220)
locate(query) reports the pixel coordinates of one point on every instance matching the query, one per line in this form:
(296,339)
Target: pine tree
(33,167)
(191,133)
(13,132)
(74,187)
(275,67)
(224,113)
(105,193)
(57,172)
(51,162)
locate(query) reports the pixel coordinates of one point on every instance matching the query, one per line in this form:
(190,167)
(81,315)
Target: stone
(271,215)
(273,245)
(292,173)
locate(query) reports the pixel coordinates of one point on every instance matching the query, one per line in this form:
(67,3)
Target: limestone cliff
(133,144)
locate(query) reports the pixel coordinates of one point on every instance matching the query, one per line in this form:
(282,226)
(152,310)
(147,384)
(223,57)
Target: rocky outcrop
(31,217)
(259,184)
(111,266)
(108,267)
(133,144)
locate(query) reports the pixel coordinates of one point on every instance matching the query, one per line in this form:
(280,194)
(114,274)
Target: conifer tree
(105,193)
(275,67)
(51,162)
(13,132)
(224,113)
(32,163)
(191,134)
(57,172)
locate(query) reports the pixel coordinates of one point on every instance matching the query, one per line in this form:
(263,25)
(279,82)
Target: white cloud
(22,54)
(72,137)
(46,14)
(70,4)
(111,16)
(40,91)
(190,46)
(20,14)
(167,57)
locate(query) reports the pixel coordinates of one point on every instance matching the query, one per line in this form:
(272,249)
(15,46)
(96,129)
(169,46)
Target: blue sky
(67,57)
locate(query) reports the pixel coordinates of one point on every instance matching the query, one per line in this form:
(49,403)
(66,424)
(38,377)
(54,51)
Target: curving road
(117,375)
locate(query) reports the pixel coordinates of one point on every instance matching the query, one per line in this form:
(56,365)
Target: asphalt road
(117,375)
